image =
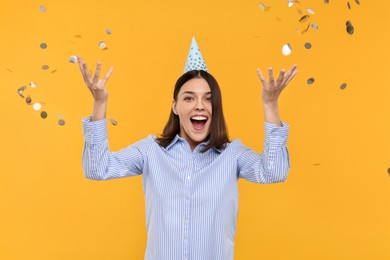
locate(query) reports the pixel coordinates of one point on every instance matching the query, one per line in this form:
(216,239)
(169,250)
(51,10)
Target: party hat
(194,60)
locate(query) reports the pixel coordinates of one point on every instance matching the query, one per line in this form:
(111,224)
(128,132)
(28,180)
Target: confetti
(317,164)
(388,171)
(310,81)
(61,122)
(43,114)
(310,11)
(299,11)
(308,45)
(286,49)
(42,8)
(33,85)
(28,100)
(45,67)
(113,121)
(349,6)
(326,1)
(43,45)
(102,45)
(350,28)
(343,86)
(292,2)
(20,90)
(314,26)
(357,1)
(54,71)
(37,106)
(60,116)
(264,7)
(304,18)
(108,31)
(77,36)
(73,59)
(10,70)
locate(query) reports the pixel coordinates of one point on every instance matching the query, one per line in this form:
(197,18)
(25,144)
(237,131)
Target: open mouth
(198,122)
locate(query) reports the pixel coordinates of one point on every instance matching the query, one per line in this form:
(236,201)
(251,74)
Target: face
(193,106)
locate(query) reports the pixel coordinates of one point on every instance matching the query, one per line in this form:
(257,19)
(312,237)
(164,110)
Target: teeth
(199,118)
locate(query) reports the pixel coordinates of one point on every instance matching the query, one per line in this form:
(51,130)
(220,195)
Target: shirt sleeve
(101,164)
(273,164)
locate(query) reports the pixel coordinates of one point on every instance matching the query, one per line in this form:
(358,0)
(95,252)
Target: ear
(174,107)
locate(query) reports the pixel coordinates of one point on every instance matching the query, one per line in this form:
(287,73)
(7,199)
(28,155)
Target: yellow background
(335,204)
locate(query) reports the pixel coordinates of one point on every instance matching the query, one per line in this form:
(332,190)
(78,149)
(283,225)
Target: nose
(199,105)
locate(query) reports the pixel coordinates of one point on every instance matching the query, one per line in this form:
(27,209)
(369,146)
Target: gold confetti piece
(108,31)
(388,171)
(350,28)
(286,49)
(314,26)
(343,86)
(310,11)
(299,11)
(61,122)
(113,121)
(43,114)
(20,90)
(37,106)
(45,67)
(77,36)
(357,1)
(10,70)
(33,85)
(292,2)
(42,8)
(317,164)
(264,7)
(28,100)
(43,45)
(308,45)
(304,18)
(349,6)
(310,81)
(54,71)
(326,1)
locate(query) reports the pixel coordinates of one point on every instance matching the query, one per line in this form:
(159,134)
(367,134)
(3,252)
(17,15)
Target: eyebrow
(193,93)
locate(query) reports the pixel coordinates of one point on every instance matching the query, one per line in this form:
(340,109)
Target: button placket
(187,208)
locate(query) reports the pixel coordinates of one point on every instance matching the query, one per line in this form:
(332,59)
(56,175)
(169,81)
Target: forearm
(99,111)
(271,113)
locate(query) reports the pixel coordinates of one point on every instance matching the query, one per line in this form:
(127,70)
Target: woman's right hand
(94,84)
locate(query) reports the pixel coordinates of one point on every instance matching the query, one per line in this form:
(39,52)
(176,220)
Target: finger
(271,75)
(291,77)
(108,75)
(97,73)
(289,74)
(86,70)
(261,77)
(82,69)
(281,76)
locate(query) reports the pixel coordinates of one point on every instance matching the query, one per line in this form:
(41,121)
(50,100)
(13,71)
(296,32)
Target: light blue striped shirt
(191,198)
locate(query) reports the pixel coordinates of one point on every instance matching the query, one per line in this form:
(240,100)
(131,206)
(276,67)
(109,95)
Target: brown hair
(218,136)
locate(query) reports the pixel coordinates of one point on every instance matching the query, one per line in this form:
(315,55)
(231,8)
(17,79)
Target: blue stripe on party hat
(194,60)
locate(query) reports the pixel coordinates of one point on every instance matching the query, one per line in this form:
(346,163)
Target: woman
(190,172)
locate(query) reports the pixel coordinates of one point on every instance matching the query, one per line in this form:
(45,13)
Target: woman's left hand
(273,88)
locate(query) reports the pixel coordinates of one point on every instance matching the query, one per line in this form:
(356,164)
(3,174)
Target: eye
(188,98)
(209,99)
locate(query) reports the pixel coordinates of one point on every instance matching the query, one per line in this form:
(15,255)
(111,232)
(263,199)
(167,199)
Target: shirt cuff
(275,135)
(94,132)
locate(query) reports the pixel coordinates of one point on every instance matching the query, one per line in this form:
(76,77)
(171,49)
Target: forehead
(195,85)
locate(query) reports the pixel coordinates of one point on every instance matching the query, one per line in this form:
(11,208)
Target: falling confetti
(43,114)
(45,67)
(77,36)
(304,18)
(10,70)
(310,81)
(310,11)
(73,59)
(349,6)
(113,121)
(42,8)
(43,45)
(286,49)
(388,171)
(357,1)
(317,164)
(343,86)
(264,7)
(102,45)
(20,91)
(61,122)
(33,85)
(314,26)
(308,45)
(350,28)
(108,31)
(28,100)
(54,71)
(37,106)
(326,1)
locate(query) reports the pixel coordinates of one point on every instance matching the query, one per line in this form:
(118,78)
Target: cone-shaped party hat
(194,60)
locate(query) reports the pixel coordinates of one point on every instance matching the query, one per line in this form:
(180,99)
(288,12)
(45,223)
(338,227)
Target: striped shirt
(191,198)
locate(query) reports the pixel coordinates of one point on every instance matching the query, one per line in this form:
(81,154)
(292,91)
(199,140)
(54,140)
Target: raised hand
(272,88)
(271,92)
(95,85)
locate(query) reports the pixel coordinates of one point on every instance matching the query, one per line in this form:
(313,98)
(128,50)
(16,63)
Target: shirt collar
(177,138)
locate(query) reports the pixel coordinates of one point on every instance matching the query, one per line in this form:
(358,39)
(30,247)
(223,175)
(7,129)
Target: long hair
(218,136)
